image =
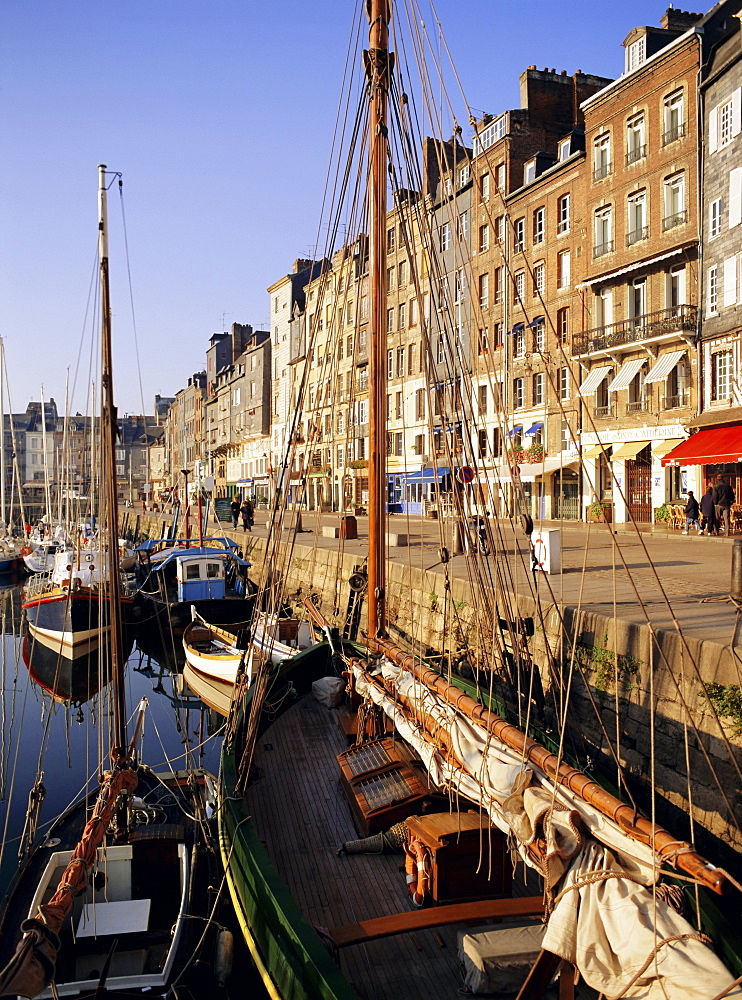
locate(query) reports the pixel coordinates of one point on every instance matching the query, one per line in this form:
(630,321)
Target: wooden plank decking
(302,816)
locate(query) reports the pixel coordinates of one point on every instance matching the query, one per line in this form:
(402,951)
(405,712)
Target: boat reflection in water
(69,680)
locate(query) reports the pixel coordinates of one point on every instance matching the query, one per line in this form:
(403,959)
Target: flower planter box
(606,514)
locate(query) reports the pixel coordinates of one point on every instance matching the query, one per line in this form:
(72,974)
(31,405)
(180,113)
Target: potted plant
(534,453)
(661,514)
(599,510)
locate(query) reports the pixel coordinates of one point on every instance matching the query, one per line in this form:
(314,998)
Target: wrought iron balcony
(673,402)
(673,134)
(602,248)
(636,329)
(602,171)
(637,235)
(637,153)
(677,219)
(604,411)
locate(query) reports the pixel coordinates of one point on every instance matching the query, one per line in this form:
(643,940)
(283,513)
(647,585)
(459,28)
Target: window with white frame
(519,235)
(464,174)
(675,287)
(539,225)
(636,143)
(391,240)
(539,336)
(519,281)
(484,290)
(445,236)
(674,194)
(562,325)
(440,354)
(402,274)
(638,298)
(500,228)
(484,187)
(564,269)
(499,276)
(529,172)
(519,341)
(539,278)
(484,238)
(715,209)
(519,394)
(673,117)
(721,376)
(563,214)
(484,340)
(636,228)
(636,54)
(602,156)
(500,176)
(712,291)
(603,231)
(482,400)
(563,383)
(390,364)
(538,389)
(565,148)
(462,227)
(390,321)
(402,325)
(725,121)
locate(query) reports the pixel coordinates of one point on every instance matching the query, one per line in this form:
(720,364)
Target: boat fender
(443,554)
(224,956)
(26,550)
(527,521)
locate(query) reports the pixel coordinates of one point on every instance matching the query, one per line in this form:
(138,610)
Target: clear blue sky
(219,115)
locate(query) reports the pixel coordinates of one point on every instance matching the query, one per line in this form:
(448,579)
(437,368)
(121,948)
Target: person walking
(235,510)
(708,509)
(247,510)
(691,513)
(723,499)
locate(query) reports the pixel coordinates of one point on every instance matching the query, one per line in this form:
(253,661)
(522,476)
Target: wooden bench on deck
(538,978)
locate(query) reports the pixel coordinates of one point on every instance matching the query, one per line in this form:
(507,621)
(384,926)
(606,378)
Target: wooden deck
(302,816)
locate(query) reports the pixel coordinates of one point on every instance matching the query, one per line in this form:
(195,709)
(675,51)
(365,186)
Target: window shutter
(730,281)
(713,141)
(737,111)
(735,197)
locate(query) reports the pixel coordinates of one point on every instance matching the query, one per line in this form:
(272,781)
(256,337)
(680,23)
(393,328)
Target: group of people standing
(714,508)
(245,510)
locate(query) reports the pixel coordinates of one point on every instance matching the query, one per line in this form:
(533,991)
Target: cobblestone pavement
(694,571)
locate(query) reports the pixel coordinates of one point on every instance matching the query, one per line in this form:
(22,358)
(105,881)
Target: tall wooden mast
(109,497)
(378,62)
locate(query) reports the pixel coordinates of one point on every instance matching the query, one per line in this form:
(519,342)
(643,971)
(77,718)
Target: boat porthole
(357,582)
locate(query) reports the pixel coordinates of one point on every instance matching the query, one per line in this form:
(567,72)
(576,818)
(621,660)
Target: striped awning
(663,366)
(625,374)
(630,449)
(594,379)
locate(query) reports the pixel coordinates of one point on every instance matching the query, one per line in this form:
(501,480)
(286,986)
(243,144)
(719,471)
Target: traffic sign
(465,474)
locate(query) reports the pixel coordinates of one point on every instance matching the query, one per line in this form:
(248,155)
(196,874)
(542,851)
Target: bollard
(735,590)
(457,544)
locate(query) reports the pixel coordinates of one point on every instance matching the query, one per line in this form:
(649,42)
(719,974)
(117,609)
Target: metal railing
(677,219)
(637,153)
(673,133)
(600,172)
(637,406)
(673,402)
(637,235)
(604,411)
(635,329)
(602,248)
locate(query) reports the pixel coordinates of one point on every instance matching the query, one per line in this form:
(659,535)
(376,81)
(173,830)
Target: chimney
(678,20)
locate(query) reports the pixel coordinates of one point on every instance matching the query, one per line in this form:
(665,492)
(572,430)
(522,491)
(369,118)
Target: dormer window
(529,172)
(565,148)
(636,54)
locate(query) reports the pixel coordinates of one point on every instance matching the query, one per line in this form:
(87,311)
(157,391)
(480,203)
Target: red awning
(711,447)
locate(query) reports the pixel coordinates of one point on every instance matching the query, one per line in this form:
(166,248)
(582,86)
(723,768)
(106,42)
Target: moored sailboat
(104,900)
(596,865)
